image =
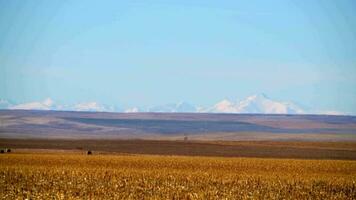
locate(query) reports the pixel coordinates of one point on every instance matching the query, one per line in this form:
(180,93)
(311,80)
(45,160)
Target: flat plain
(260,149)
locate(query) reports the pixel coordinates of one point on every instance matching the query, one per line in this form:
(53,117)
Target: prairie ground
(74,175)
(261,149)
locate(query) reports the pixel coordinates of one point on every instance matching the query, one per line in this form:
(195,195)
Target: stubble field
(75,175)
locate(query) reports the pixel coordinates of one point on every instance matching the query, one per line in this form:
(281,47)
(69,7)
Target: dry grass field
(73,175)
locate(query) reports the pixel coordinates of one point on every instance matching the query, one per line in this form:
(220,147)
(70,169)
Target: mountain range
(256,104)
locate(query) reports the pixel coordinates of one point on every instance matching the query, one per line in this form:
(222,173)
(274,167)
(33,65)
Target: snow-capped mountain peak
(257,97)
(224,106)
(177,107)
(258,103)
(4,104)
(132,110)
(93,107)
(89,106)
(47,104)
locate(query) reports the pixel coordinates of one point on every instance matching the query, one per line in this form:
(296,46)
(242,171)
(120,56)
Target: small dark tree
(8,150)
(2,151)
(89,153)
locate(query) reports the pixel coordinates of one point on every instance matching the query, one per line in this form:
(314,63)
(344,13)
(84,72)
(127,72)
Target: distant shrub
(2,151)
(8,150)
(89,153)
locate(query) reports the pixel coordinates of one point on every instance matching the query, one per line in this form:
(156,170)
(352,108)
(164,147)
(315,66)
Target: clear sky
(138,53)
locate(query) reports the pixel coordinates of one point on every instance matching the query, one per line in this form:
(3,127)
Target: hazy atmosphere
(137,54)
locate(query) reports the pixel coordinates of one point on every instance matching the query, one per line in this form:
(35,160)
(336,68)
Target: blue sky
(139,53)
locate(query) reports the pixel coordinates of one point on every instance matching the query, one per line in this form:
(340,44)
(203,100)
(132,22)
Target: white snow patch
(132,110)
(47,104)
(89,106)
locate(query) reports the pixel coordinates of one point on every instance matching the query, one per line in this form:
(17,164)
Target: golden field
(78,176)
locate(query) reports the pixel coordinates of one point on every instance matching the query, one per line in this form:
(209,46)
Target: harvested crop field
(57,175)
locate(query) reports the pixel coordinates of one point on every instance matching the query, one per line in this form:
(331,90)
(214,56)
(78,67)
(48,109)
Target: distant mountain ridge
(49,104)
(4,104)
(255,104)
(178,107)
(199,126)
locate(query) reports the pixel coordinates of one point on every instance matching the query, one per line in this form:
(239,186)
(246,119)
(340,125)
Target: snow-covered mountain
(47,104)
(133,110)
(4,104)
(253,104)
(224,106)
(178,107)
(256,104)
(93,107)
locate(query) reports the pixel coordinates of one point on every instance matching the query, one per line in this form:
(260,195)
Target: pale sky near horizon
(139,53)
